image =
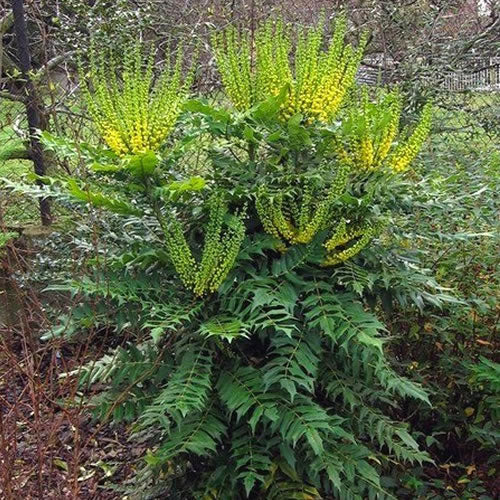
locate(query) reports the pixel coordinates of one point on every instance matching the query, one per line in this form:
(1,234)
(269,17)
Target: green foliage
(198,434)
(294,410)
(133,374)
(14,163)
(302,367)
(487,372)
(6,237)
(452,227)
(187,389)
(98,199)
(294,363)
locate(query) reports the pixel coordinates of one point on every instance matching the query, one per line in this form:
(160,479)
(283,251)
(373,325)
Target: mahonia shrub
(258,367)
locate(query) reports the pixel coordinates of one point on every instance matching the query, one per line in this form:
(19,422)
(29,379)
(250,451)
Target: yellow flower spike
(408,150)
(357,239)
(386,143)
(114,141)
(366,152)
(299,221)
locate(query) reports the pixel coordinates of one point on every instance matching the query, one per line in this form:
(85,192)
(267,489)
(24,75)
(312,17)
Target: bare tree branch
(11,97)
(54,62)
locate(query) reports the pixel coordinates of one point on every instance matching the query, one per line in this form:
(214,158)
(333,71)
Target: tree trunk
(34,105)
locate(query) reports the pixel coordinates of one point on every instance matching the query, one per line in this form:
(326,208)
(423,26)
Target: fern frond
(340,317)
(266,306)
(486,372)
(121,364)
(368,419)
(291,259)
(351,475)
(133,374)
(224,327)
(100,370)
(398,384)
(99,199)
(288,490)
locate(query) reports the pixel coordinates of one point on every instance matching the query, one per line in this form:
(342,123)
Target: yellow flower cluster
(370,131)
(322,78)
(291,222)
(132,113)
(272,69)
(318,78)
(294,223)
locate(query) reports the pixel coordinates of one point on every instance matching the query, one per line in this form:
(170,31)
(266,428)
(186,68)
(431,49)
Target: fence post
(33,104)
